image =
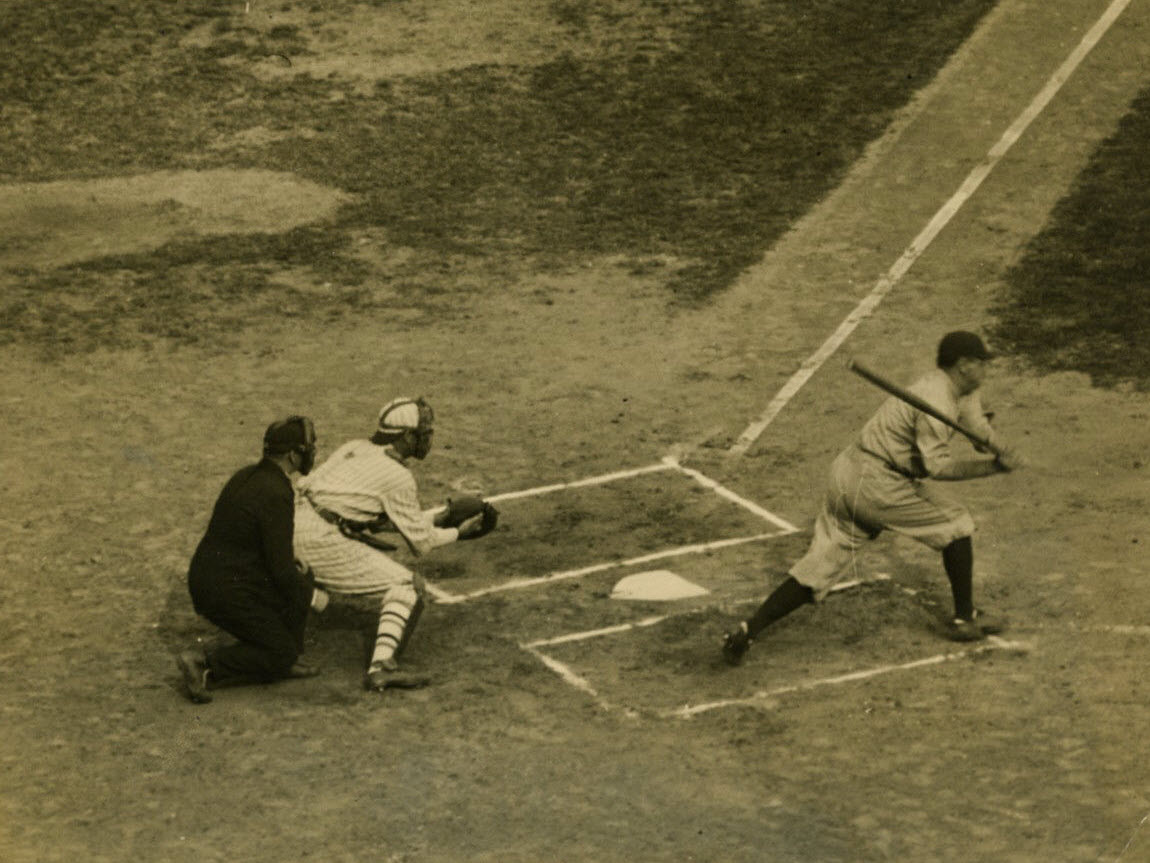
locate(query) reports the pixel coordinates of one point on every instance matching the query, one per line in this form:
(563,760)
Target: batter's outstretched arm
(921,405)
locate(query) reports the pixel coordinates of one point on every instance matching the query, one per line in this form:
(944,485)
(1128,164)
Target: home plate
(656,584)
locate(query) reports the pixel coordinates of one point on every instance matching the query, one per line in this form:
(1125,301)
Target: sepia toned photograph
(574,431)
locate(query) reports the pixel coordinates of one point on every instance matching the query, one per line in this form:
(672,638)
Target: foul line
(920,243)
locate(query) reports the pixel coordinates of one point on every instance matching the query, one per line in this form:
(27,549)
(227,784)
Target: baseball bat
(918,404)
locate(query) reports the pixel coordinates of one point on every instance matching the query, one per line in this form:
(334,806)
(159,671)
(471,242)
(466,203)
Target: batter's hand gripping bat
(918,404)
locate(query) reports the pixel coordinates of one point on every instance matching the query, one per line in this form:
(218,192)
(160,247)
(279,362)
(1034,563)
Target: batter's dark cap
(289,434)
(954,346)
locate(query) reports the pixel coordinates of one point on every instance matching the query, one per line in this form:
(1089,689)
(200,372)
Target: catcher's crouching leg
(398,615)
(412,620)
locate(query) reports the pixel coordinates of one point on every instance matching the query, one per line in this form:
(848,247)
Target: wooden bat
(918,404)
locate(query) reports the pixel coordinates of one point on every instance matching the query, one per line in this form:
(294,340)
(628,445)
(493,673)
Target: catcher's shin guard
(412,620)
(400,605)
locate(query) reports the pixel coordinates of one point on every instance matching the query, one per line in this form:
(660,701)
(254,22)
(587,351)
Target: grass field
(1078,298)
(689,145)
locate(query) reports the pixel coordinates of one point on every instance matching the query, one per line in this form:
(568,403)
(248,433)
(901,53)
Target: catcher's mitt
(458,510)
(473,515)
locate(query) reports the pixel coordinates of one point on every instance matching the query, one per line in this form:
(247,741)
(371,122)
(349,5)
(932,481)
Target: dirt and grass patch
(699,136)
(1079,299)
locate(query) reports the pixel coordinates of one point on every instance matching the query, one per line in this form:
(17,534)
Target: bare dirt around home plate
(855,732)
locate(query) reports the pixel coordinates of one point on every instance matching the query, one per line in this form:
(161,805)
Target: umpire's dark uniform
(243,577)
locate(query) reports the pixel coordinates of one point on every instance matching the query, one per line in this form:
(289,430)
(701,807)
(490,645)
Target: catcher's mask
(294,434)
(414,417)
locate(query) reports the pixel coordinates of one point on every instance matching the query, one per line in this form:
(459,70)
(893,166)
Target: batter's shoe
(386,675)
(976,628)
(736,644)
(990,624)
(194,668)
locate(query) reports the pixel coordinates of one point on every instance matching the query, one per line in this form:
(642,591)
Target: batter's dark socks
(783,600)
(958,559)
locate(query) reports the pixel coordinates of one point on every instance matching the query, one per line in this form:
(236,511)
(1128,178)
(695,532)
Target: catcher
(352,507)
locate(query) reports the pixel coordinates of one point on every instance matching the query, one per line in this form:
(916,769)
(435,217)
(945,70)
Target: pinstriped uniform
(362,481)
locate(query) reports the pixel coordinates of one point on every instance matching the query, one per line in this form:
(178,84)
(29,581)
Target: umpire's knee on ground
(269,633)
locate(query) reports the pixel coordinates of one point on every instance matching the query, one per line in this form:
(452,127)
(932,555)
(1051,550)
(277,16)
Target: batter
(878,483)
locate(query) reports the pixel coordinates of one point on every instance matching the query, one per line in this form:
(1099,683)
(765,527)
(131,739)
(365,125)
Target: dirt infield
(855,733)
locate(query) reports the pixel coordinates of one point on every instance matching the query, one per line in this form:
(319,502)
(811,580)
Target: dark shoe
(302,669)
(386,675)
(736,644)
(990,624)
(964,630)
(976,628)
(194,668)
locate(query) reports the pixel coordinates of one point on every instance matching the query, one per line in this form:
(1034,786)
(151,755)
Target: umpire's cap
(288,435)
(958,344)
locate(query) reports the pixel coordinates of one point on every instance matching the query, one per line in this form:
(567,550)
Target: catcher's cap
(399,415)
(960,343)
(287,435)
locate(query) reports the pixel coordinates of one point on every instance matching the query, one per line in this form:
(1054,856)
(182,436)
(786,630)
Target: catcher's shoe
(194,668)
(736,644)
(976,628)
(386,675)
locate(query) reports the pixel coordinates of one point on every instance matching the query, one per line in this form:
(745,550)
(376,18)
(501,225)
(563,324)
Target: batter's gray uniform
(877,482)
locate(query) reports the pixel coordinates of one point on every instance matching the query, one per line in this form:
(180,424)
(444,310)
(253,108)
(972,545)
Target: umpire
(243,576)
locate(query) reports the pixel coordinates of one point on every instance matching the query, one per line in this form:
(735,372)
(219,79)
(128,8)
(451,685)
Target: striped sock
(392,621)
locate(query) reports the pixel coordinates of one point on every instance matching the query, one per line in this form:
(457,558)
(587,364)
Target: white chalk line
(651,621)
(601,479)
(1115,628)
(679,551)
(439,593)
(993,642)
(757,699)
(851,677)
(597,633)
(727,494)
(668,463)
(571,677)
(1133,836)
(925,237)
(568,676)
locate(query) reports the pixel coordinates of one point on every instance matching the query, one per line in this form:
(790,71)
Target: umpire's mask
(294,434)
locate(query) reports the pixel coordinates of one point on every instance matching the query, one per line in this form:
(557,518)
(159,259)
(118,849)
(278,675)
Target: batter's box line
(764,698)
(783,526)
(574,679)
(569,637)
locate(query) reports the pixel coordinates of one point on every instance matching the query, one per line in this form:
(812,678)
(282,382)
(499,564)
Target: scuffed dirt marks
(172,255)
(372,41)
(58,223)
